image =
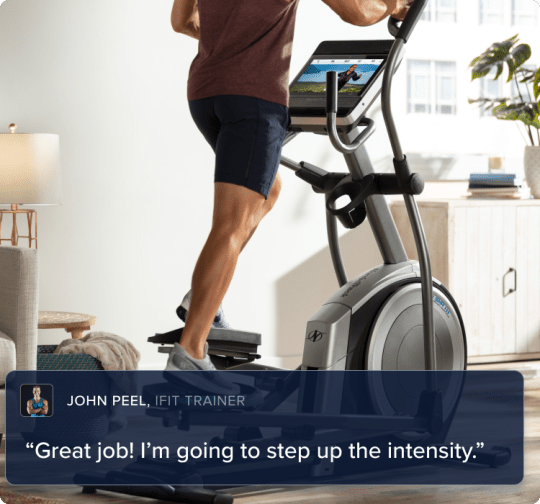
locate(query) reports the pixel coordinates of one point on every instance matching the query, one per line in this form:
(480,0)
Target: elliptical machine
(394,316)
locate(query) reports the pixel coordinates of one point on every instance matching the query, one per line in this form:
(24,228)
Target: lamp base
(31,217)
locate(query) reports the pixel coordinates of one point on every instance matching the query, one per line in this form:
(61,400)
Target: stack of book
(494,185)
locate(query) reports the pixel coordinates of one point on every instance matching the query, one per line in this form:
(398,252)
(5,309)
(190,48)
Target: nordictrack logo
(446,310)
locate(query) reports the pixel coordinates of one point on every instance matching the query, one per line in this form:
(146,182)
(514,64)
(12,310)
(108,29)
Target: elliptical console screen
(356,74)
(353,75)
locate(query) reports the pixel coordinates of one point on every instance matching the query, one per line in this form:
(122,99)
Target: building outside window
(440,10)
(525,12)
(426,15)
(491,12)
(446,11)
(419,87)
(431,87)
(490,88)
(445,72)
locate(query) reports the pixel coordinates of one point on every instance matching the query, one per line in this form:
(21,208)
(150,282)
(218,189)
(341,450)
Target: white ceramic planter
(532,169)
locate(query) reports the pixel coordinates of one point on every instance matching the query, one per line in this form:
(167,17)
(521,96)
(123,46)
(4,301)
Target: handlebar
(403,30)
(331,114)
(393,26)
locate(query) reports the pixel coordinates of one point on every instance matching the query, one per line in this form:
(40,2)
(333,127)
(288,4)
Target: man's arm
(185,17)
(45,408)
(30,409)
(368,12)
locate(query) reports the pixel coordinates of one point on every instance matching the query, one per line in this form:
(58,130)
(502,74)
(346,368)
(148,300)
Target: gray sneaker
(211,380)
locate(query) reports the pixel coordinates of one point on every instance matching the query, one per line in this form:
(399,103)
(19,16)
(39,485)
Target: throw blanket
(114,352)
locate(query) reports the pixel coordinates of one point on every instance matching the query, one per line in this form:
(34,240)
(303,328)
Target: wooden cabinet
(487,252)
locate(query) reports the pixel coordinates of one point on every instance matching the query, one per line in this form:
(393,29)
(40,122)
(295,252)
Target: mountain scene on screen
(314,78)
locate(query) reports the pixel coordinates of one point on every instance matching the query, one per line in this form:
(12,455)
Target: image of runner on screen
(345,77)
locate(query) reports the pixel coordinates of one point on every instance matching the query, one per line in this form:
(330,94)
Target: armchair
(18,315)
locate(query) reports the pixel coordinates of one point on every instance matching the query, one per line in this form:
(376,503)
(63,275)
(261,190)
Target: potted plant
(524,108)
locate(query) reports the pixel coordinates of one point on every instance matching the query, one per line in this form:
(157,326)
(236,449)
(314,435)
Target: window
(431,87)
(426,15)
(490,88)
(445,72)
(419,77)
(491,12)
(440,10)
(446,11)
(524,12)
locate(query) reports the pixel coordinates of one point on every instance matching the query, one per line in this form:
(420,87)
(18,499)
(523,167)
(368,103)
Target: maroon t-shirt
(245,49)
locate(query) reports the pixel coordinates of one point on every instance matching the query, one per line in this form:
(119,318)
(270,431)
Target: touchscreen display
(353,76)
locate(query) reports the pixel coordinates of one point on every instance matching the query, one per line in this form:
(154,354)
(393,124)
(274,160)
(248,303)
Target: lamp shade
(30,169)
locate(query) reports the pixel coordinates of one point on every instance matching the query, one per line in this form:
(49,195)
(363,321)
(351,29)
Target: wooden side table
(74,323)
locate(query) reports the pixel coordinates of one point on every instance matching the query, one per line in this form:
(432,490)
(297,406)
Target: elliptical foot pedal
(226,347)
(215,334)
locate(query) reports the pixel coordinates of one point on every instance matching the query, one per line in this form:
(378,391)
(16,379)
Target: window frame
(533,10)
(434,103)
(484,11)
(435,13)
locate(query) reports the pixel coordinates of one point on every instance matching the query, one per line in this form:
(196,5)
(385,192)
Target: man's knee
(237,222)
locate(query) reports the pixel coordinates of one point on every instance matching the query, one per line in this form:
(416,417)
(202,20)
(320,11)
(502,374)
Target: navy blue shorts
(247,136)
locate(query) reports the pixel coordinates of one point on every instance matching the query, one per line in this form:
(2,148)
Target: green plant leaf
(536,84)
(499,53)
(473,61)
(500,68)
(524,112)
(516,58)
(535,123)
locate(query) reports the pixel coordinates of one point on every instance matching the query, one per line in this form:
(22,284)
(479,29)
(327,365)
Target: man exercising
(345,77)
(244,116)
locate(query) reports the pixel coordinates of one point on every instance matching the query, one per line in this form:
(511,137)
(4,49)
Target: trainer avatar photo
(38,406)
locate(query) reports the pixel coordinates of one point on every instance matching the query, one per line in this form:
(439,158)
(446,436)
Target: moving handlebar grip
(413,16)
(393,26)
(331,92)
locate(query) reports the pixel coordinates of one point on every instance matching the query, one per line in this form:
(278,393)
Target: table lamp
(29,175)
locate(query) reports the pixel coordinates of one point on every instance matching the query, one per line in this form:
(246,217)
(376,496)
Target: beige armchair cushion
(8,360)
(19,302)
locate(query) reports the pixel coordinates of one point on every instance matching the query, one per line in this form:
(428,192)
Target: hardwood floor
(527,492)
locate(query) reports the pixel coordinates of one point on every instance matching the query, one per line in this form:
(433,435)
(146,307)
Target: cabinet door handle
(511,270)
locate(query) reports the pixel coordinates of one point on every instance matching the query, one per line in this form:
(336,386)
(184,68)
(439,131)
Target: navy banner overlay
(264,427)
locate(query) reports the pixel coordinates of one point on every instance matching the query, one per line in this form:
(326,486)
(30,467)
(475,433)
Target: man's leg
(268,204)
(237,213)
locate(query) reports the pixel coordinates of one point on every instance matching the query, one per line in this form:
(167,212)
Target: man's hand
(185,17)
(402,9)
(369,12)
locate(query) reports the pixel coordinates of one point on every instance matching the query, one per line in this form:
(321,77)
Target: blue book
(487,178)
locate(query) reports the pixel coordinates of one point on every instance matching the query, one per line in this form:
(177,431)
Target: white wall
(109,77)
